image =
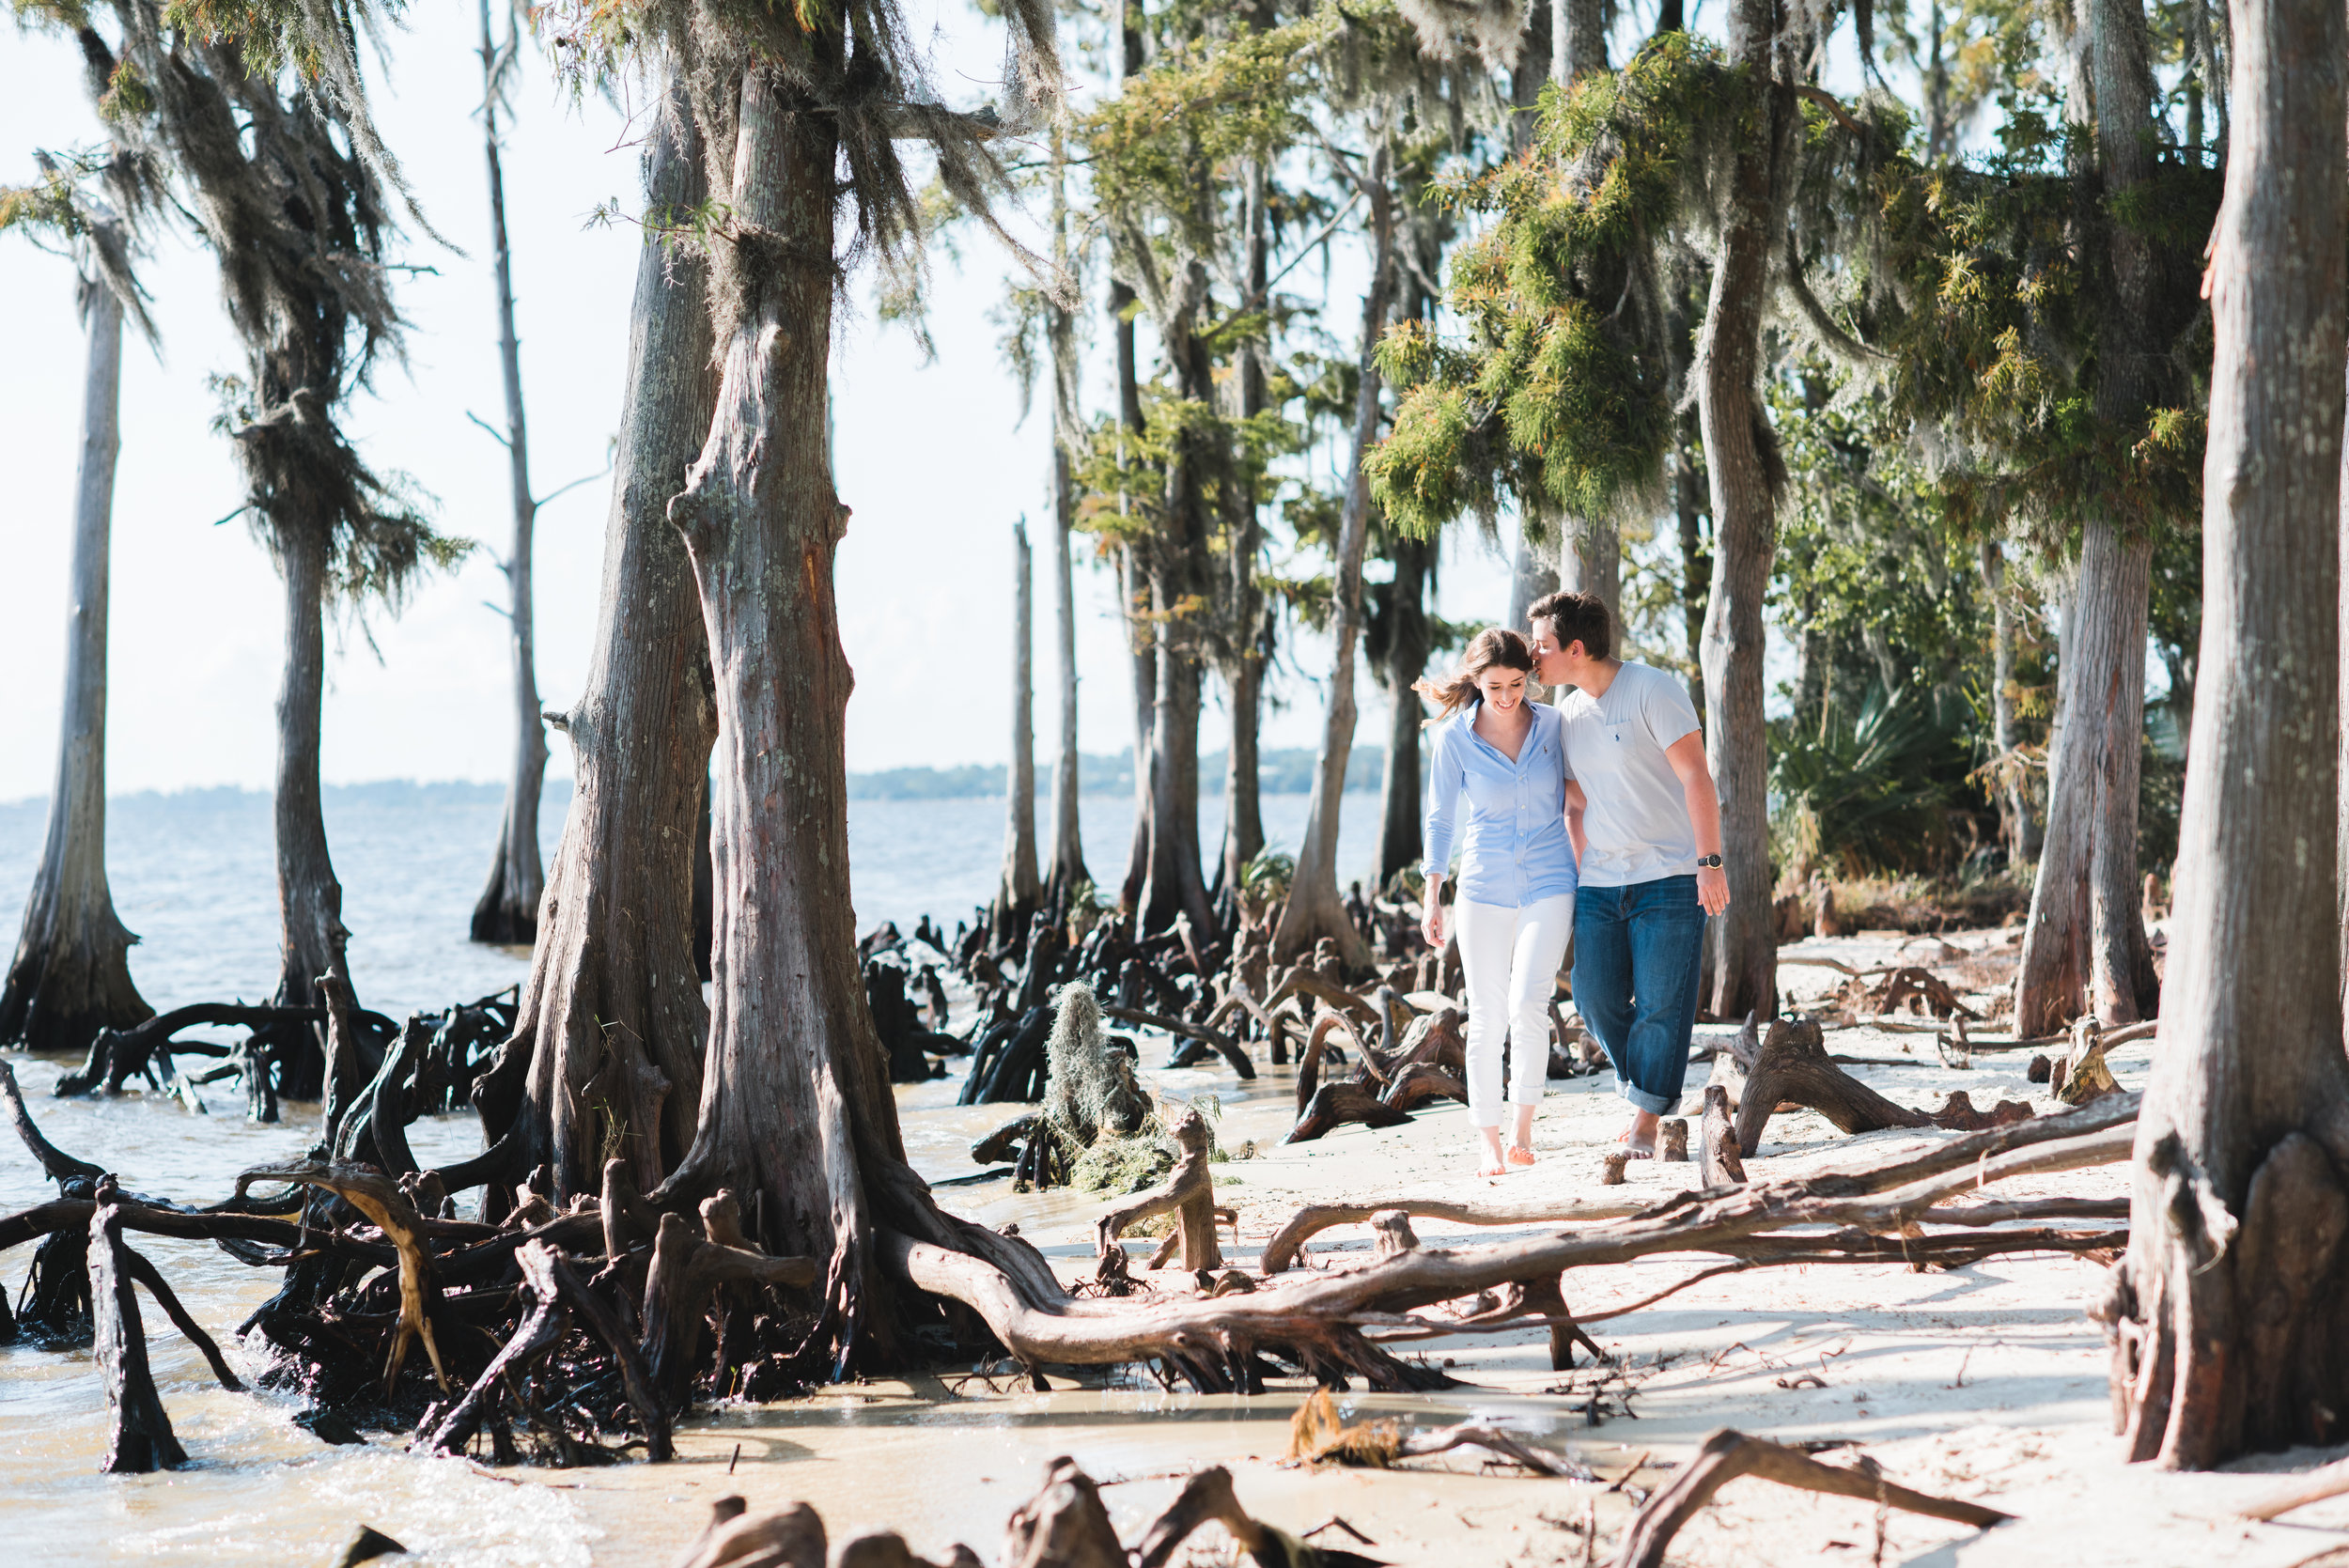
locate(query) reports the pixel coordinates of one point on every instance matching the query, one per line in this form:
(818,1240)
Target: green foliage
(1871,787)
(1562,391)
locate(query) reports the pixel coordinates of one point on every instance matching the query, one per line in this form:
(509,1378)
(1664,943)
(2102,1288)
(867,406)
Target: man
(1646,827)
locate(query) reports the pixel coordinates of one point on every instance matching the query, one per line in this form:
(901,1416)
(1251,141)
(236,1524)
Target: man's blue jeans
(1636,955)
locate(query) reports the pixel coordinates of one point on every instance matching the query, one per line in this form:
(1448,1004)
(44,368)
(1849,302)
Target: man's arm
(1687,756)
(1577,803)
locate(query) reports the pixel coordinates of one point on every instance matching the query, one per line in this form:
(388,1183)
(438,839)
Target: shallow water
(192,874)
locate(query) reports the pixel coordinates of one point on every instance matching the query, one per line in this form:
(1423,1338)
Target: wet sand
(1985,1382)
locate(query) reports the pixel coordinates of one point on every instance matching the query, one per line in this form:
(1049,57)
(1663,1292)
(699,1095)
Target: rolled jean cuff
(1654,1104)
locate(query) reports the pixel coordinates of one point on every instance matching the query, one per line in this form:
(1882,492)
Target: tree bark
(1696,562)
(1589,561)
(1246,642)
(1313,909)
(1407,649)
(1740,460)
(2085,948)
(1143,668)
(1016,891)
(1064,869)
(1173,883)
(2078,955)
(309,898)
(1530,577)
(507,910)
(612,1017)
(72,975)
(1577,40)
(2228,1311)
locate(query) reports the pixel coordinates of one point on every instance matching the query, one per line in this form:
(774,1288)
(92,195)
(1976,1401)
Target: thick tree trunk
(508,908)
(2084,948)
(309,899)
(793,1065)
(1590,560)
(1313,909)
(72,975)
(1407,650)
(1172,884)
(1016,890)
(1739,460)
(612,1017)
(1577,40)
(795,1117)
(1065,868)
(1531,574)
(2230,1311)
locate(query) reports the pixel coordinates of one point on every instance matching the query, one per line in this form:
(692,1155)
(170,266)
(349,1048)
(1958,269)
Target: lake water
(192,874)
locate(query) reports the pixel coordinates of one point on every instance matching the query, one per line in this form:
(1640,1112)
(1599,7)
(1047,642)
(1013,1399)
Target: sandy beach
(1985,1382)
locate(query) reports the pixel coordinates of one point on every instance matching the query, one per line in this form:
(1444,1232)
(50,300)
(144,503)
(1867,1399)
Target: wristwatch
(1710,859)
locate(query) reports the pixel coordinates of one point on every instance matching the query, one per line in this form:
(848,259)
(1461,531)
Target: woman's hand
(1431,913)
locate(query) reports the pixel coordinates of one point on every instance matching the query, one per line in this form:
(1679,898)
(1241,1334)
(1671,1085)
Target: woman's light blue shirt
(1514,852)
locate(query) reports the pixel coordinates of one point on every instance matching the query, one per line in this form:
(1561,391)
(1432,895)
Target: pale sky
(932,458)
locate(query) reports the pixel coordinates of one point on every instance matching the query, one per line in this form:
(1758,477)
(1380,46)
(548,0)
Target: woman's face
(1501,687)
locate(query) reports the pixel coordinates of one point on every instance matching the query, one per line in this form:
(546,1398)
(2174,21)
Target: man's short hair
(1577,619)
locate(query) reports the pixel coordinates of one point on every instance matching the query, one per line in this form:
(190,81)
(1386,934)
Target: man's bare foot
(1638,1141)
(1518,1154)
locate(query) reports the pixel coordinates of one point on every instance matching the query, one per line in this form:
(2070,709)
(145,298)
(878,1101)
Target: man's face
(1549,660)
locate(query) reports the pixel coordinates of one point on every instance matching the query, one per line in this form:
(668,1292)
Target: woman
(1515,906)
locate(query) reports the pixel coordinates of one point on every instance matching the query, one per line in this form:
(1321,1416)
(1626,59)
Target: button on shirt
(1515,850)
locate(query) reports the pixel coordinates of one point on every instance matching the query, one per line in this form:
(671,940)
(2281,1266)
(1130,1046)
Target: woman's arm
(1445,777)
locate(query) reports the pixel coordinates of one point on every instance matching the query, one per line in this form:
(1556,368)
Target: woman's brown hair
(1494,645)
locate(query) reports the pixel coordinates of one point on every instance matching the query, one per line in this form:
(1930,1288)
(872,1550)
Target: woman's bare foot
(1639,1139)
(1494,1163)
(1518,1154)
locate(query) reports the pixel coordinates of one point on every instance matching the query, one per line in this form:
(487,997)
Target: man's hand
(1712,889)
(1431,913)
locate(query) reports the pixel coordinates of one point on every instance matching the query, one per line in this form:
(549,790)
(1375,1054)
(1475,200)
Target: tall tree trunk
(1179,563)
(71,974)
(1589,561)
(1407,650)
(1313,909)
(1246,642)
(1696,563)
(1577,40)
(309,899)
(1142,668)
(2230,1311)
(508,908)
(797,1118)
(1531,574)
(1016,890)
(1740,459)
(1065,869)
(1133,591)
(2019,826)
(2085,947)
(612,1017)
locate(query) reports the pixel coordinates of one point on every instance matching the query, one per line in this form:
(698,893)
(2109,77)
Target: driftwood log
(138,1435)
(1726,1455)
(1722,1165)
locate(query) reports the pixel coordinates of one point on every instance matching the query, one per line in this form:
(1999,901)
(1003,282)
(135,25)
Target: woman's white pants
(1509,957)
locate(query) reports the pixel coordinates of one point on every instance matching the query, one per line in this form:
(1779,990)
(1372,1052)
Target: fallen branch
(2326,1481)
(1282,1250)
(1726,1455)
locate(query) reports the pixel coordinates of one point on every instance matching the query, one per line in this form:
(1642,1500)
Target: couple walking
(1595,818)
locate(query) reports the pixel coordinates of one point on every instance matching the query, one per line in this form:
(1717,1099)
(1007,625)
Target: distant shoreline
(1283,771)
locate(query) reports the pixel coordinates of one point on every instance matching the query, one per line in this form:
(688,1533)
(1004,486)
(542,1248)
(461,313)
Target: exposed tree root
(1189,1194)
(1726,1455)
